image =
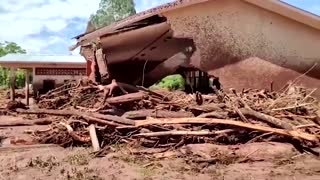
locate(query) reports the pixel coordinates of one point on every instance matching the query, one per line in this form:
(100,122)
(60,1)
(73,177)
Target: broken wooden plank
(24,122)
(102,65)
(96,117)
(266,118)
(126,98)
(143,114)
(94,138)
(287,133)
(208,107)
(183,133)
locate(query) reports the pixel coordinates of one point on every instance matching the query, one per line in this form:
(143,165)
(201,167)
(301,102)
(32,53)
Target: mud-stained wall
(229,33)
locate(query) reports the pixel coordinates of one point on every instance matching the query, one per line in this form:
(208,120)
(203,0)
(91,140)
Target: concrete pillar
(12,83)
(27,75)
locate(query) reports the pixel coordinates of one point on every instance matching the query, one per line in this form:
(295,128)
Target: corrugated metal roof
(43,59)
(294,13)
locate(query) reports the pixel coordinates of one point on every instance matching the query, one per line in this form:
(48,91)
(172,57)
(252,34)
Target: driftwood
(219,115)
(208,107)
(143,114)
(266,118)
(94,138)
(183,133)
(90,116)
(23,122)
(127,98)
(288,133)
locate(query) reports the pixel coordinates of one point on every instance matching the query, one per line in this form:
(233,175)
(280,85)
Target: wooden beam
(27,74)
(102,64)
(12,83)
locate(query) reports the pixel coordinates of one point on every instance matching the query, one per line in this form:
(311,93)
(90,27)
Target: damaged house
(246,43)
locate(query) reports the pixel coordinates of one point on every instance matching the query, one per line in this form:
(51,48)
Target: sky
(47,26)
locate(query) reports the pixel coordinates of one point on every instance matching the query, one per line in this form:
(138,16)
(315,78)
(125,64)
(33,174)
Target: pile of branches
(101,115)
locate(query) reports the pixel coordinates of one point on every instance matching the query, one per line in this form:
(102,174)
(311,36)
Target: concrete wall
(248,46)
(59,80)
(37,81)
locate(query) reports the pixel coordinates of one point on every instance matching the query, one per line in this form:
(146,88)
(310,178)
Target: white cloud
(32,45)
(142,5)
(20,19)
(55,25)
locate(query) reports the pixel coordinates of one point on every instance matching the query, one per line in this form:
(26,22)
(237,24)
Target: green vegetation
(7,48)
(171,82)
(112,11)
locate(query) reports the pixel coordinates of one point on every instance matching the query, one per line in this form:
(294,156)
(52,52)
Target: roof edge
(276,6)
(140,16)
(289,11)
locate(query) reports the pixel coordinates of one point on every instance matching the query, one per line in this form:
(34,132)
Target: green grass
(171,82)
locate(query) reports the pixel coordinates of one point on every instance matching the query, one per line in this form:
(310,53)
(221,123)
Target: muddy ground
(21,159)
(254,161)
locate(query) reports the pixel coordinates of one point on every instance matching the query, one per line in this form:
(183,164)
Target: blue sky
(47,26)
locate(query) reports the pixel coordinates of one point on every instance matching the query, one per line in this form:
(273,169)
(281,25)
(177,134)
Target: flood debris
(119,113)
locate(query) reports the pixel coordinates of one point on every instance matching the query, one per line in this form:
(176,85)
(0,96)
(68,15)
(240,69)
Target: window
(61,71)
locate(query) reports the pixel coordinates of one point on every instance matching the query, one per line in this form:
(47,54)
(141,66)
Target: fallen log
(95,117)
(126,98)
(266,118)
(183,133)
(143,114)
(288,133)
(208,107)
(22,122)
(219,115)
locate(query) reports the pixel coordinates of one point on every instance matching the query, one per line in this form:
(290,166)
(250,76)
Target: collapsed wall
(250,46)
(246,43)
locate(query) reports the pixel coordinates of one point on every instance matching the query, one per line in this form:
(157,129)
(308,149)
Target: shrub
(171,82)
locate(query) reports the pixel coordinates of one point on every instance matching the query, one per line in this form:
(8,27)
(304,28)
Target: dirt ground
(257,161)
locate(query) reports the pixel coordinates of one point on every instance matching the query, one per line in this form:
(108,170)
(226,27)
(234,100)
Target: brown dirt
(251,161)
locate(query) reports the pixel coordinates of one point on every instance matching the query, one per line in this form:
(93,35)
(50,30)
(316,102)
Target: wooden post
(27,86)
(103,67)
(94,138)
(12,83)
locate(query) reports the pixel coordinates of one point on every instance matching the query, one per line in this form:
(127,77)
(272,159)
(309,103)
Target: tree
(112,11)
(8,48)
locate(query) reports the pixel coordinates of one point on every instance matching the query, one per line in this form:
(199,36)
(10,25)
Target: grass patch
(84,174)
(48,163)
(79,159)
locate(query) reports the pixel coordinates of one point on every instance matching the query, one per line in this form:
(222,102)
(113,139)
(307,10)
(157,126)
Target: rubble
(103,115)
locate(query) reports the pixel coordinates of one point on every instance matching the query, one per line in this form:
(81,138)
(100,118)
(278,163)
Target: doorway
(48,85)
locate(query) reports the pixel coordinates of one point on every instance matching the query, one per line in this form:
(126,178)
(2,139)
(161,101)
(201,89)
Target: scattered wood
(143,114)
(94,138)
(219,115)
(127,98)
(23,122)
(289,133)
(74,135)
(90,116)
(87,113)
(266,118)
(183,133)
(208,107)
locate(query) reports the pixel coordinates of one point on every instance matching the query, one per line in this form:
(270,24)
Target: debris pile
(98,115)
